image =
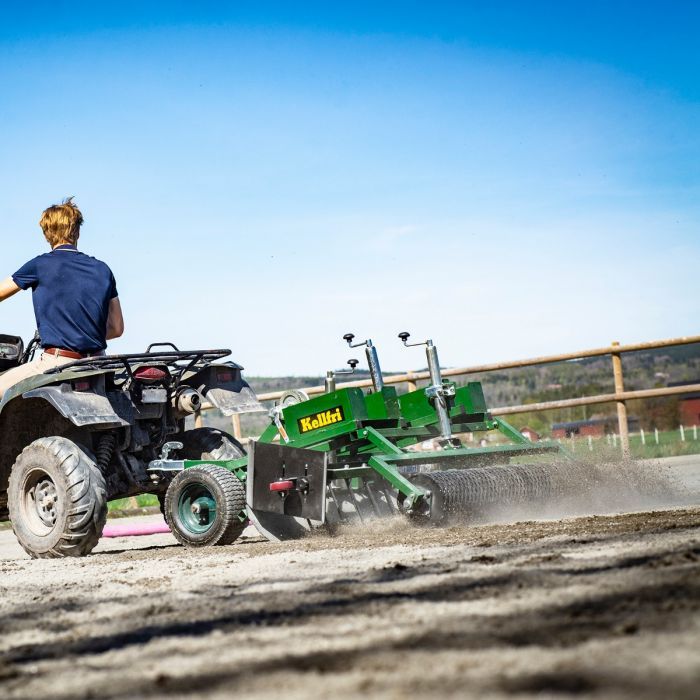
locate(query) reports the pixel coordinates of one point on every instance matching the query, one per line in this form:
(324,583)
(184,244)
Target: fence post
(236,424)
(682,433)
(621,405)
(411,384)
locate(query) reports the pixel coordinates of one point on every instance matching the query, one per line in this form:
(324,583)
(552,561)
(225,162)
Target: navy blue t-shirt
(71,293)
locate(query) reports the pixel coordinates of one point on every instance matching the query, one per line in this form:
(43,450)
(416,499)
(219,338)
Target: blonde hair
(61,223)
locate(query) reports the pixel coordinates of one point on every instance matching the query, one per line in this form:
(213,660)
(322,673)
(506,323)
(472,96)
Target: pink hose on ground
(135,529)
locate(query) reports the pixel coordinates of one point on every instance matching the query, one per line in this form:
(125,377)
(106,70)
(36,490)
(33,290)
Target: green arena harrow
(348,455)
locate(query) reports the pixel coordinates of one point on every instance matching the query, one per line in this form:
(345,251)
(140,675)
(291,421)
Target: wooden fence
(619,397)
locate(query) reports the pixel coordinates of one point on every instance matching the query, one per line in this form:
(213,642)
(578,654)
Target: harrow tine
(341,515)
(390,503)
(386,508)
(373,500)
(353,498)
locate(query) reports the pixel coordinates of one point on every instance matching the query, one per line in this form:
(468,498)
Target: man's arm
(115,319)
(8,288)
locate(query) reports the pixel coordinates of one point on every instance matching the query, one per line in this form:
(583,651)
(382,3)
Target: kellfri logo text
(321,419)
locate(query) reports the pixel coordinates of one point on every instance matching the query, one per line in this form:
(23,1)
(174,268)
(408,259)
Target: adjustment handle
(404,336)
(353,363)
(349,337)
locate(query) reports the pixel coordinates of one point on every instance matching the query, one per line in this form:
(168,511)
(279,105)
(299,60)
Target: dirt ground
(605,606)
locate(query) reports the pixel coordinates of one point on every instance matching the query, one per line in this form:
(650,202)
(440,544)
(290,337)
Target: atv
(82,434)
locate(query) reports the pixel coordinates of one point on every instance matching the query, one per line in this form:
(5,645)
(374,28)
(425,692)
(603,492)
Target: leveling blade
(286,488)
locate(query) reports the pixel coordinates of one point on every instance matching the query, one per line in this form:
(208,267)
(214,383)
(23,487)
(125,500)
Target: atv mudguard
(81,408)
(230,396)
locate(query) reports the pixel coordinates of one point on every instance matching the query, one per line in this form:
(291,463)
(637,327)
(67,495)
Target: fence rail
(619,397)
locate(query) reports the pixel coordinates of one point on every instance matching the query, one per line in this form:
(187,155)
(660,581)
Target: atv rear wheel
(57,499)
(203,506)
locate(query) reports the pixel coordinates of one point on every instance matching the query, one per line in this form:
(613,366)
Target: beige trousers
(15,375)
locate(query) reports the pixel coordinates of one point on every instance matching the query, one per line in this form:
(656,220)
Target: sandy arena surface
(596,606)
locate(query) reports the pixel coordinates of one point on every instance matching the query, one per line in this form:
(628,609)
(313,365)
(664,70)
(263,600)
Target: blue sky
(510,179)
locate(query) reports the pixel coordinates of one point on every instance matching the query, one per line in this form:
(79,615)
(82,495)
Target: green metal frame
(368,435)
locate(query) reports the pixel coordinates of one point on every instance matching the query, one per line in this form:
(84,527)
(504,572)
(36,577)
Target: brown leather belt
(62,352)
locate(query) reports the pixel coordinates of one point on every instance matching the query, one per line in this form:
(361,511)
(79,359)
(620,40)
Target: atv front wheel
(203,505)
(57,499)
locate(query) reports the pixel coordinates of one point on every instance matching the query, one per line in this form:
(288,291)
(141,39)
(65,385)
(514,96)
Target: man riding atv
(79,428)
(75,297)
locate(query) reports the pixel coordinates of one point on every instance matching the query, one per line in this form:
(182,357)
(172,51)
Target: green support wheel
(203,506)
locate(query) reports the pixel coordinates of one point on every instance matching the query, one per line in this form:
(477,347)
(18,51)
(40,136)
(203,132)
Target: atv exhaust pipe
(187,401)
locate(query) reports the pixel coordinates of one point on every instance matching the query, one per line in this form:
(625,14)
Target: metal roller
(465,492)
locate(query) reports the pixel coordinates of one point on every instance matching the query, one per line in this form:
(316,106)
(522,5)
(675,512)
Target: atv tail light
(225,376)
(285,485)
(150,374)
(81,385)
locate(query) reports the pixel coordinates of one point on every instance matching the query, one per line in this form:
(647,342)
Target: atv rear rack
(193,358)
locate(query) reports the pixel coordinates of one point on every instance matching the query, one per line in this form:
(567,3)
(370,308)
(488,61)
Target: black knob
(404,336)
(353,363)
(349,337)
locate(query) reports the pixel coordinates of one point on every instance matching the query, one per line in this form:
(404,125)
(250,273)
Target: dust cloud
(593,488)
